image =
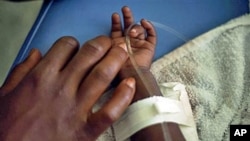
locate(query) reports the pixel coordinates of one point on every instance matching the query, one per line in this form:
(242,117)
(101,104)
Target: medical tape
(147,112)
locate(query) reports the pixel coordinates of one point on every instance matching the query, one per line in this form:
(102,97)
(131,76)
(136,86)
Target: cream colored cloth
(215,68)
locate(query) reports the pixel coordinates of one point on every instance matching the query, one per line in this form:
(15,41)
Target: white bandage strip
(149,111)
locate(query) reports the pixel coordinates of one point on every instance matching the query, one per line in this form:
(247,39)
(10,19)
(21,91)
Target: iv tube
(138,71)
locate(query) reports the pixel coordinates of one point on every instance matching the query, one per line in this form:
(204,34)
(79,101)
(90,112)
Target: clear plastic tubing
(138,71)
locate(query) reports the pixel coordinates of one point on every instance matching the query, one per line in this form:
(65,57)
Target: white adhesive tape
(149,111)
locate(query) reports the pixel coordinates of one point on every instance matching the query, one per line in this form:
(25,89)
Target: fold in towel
(215,68)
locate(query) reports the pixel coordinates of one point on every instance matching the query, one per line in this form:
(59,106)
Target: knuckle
(109,116)
(36,78)
(119,53)
(127,97)
(97,46)
(93,48)
(122,56)
(104,74)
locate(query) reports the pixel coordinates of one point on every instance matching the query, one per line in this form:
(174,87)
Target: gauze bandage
(149,111)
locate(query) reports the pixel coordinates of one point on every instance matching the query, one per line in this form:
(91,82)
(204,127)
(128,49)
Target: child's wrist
(131,72)
(146,86)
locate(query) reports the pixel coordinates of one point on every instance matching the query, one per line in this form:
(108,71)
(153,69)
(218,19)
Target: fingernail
(123,46)
(130,82)
(133,31)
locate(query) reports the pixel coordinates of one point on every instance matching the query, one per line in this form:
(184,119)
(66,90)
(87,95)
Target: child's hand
(143,39)
(143,42)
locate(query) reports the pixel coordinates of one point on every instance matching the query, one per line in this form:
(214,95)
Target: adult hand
(50,98)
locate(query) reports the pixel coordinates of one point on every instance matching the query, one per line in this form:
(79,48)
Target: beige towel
(215,67)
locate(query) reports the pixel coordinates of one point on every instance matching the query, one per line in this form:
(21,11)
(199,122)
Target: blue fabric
(87,19)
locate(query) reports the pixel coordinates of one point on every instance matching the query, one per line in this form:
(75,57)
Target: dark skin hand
(143,47)
(50,98)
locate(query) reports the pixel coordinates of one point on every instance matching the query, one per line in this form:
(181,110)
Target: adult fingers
(114,108)
(89,55)
(127,17)
(150,30)
(116,26)
(59,54)
(100,77)
(20,71)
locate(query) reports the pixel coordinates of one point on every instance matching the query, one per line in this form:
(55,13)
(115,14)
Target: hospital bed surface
(87,19)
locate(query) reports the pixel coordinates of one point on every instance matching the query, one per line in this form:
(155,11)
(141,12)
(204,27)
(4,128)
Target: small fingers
(116,28)
(20,71)
(127,17)
(113,109)
(150,30)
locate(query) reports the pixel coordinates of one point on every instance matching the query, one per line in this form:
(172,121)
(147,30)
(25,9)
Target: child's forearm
(146,87)
(159,132)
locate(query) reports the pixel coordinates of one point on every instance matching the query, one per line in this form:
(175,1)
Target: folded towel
(215,67)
